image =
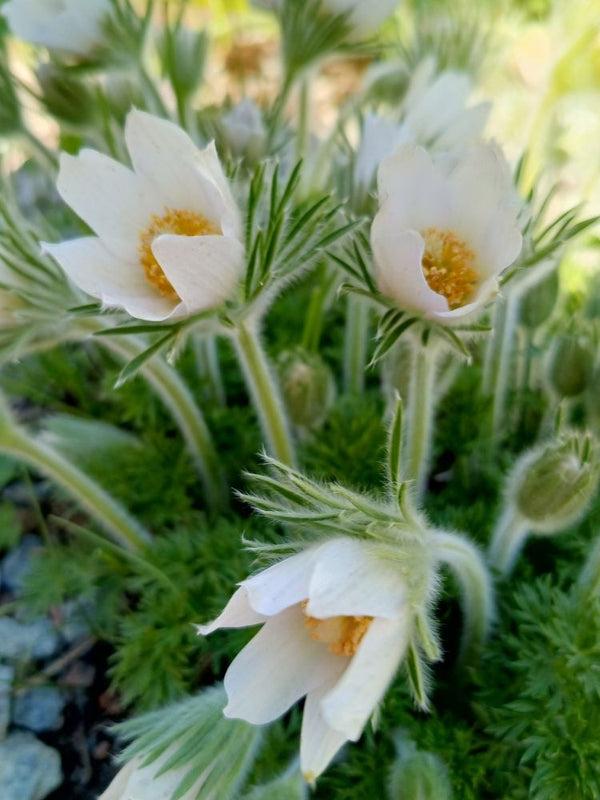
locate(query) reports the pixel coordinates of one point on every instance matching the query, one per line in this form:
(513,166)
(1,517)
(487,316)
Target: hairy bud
(307,386)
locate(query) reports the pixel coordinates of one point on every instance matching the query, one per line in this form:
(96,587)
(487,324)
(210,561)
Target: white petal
(464,128)
(438,105)
(184,176)
(120,783)
(238,613)
(349,579)
(351,702)
(318,742)
(278,667)
(203,270)
(416,189)
(484,294)
(282,585)
(114,281)
(398,256)
(110,198)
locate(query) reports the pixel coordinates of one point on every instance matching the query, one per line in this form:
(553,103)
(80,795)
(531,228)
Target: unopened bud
(553,485)
(308,388)
(66,97)
(569,365)
(244,131)
(417,774)
(538,302)
(122,94)
(183,53)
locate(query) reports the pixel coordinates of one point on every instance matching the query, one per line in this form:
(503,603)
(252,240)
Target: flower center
(342,634)
(448,266)
(173,220)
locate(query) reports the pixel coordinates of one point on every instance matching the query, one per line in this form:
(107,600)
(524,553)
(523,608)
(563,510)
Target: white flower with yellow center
(73,26)
(442,236)
(168,231)
(337,623)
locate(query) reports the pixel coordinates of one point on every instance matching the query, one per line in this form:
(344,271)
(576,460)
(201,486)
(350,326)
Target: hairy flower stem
(176,396)
(116,521)
(420,416)
(498,358)
(209,372)
(355,345)
(589,578)
(468,567)
(264,392)
(507,541)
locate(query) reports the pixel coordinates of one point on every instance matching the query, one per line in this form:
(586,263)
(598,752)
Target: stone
(16,564)
(7,675)
(39,709)
(29,770)
(23,641)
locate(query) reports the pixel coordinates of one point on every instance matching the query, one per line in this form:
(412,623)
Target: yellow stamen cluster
(173,220)
(342,634)
(448,266)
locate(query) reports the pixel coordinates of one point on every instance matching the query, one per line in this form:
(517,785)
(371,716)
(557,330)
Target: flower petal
(351,702)
(282,585)
(349,579)
(318,742)
(398,256)
(110,198)
(184,176)
(280,665)
(114,281)
(203,270)
(238,613)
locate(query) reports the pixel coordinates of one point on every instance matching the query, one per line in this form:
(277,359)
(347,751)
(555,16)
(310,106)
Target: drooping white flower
(434,115)
(337,623)
(69,25)
(168,231)
(444,230)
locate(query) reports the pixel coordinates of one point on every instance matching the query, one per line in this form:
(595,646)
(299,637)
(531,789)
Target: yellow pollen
(173,220)
(342,634)
(448,266)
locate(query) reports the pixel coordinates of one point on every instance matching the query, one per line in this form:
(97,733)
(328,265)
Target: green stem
(152,92)
(589,578)
(303,130)
(264,392)
(473,578)
(507,541)
(176,396)
(355,345)
(420,416)
(115,520)
(209,373)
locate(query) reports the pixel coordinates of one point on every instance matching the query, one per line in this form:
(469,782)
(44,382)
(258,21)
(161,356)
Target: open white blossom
(435,115)
(168,231)
(337,623)
(69,25)
(445,230)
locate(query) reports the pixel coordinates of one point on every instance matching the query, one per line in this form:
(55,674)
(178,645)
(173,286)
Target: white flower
(136,782)
(244,129)
(365,16)
(168,231)
(442,236)
(337,623)
(74,26)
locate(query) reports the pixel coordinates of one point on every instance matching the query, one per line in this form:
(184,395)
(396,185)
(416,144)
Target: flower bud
(553,485)
(122,94)
(538,302)
(66,97)
(418,774)
(244,131)
(569,365)
(308,387)
(183,53)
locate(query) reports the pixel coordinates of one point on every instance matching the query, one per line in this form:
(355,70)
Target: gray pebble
(7,675)
(39,709)
(20,641)
(29,770)
(17,563)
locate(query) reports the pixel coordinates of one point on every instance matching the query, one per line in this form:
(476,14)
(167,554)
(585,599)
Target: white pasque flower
(137,782)
(168,231)
(337,623)
(73,26)
(434,115)
(445,230)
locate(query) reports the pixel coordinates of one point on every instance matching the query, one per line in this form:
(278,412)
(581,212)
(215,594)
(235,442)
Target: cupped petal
(238,613)
(348,706)
(415,190)
(184,176)
(114,281)
(350,579)
(109,197)
(280,665)
(485,293)
(203,270)
(318,741)
(438,105)
(282,585)
(398,257)
(464,128)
